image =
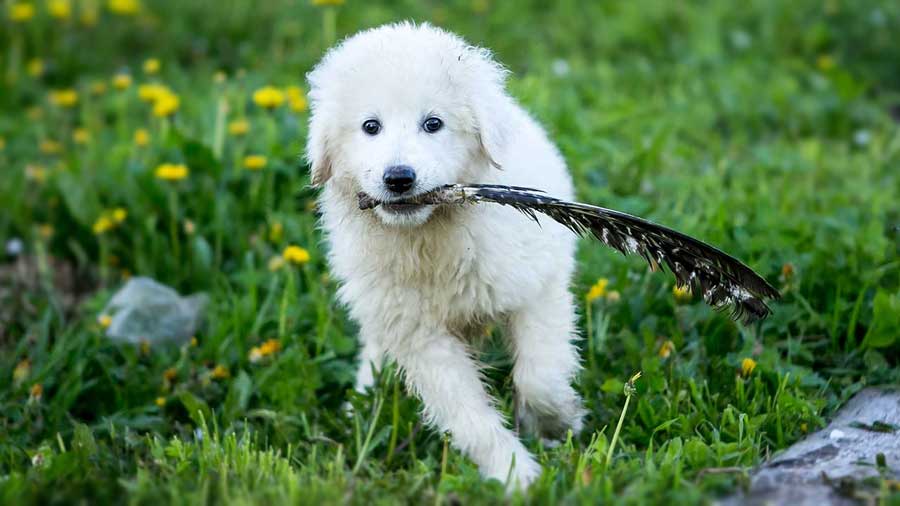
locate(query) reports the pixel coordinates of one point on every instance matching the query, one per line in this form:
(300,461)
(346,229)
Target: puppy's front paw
(523,474)
(517,472)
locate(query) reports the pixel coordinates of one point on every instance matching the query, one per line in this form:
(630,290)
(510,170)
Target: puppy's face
(395,114)
(399,137)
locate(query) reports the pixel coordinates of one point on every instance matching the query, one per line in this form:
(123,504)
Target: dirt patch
(29,283)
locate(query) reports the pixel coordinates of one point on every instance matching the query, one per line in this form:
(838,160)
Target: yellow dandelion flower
(161,401)
(270,347)
(238,127)
(747,366)
(255,162)
(104,320)
(166,105)
(151,66)
(103,224)
(220,372)
(276,231)
(36,392)
(35,173)
(98,88)
(45,231)
(64,98)
(124,7)
(88,16)
(81,136)
(20,11)
(295,255)
(298,104)
(35,67)
(681,293)
(294,91)
(804,427)
(171,172)
(121,81)
(59,9)
(787,271)
(325,3)
(267,348)
(296,98)
(119,214)
(825,62)
(22,371)
(141,137)
(597,290)
(150,92)
(666,349)
(268,97)
(50,147)
(275,263)
(170,374)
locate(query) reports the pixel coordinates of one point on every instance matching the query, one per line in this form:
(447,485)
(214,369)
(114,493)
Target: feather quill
(721,279)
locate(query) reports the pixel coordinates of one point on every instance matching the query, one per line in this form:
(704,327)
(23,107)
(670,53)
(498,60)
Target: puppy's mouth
(404,205)
(401,207)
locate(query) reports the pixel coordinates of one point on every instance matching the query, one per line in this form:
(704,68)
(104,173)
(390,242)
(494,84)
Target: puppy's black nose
(399,178)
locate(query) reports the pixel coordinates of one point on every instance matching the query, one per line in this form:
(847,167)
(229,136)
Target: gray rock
(145,310)
(836,465)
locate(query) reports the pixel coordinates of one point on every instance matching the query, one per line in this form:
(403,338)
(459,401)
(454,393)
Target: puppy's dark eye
(432,124)
(371,126)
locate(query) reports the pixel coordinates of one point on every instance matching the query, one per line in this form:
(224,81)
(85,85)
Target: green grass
(763,127)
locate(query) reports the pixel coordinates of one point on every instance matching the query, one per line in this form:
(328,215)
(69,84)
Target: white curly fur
(421,285)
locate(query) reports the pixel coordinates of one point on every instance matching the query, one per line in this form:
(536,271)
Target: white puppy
(397,111)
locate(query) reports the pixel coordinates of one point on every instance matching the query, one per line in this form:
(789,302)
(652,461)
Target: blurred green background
(164,139)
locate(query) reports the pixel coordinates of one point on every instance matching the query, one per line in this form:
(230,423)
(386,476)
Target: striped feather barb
(722,280)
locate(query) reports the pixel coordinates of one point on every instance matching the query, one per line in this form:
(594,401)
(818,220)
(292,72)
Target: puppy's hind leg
(546,362)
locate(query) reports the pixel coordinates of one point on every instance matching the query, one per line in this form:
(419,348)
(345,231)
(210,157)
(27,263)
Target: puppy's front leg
(439,370)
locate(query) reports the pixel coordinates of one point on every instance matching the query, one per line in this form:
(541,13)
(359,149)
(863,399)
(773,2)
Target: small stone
(14,247)
(837,435)
(146,311)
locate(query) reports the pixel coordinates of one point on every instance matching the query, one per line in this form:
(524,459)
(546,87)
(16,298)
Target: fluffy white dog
(397,111)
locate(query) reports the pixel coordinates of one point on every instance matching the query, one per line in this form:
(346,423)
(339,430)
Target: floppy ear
(318,150)
(491,106)
(491,127)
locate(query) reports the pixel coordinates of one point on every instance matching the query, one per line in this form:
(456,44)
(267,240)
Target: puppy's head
(401,109)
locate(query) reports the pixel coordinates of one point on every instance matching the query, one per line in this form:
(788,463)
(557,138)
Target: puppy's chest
(449,275)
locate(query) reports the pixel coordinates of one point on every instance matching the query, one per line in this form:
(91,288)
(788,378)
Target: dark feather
(721,279)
